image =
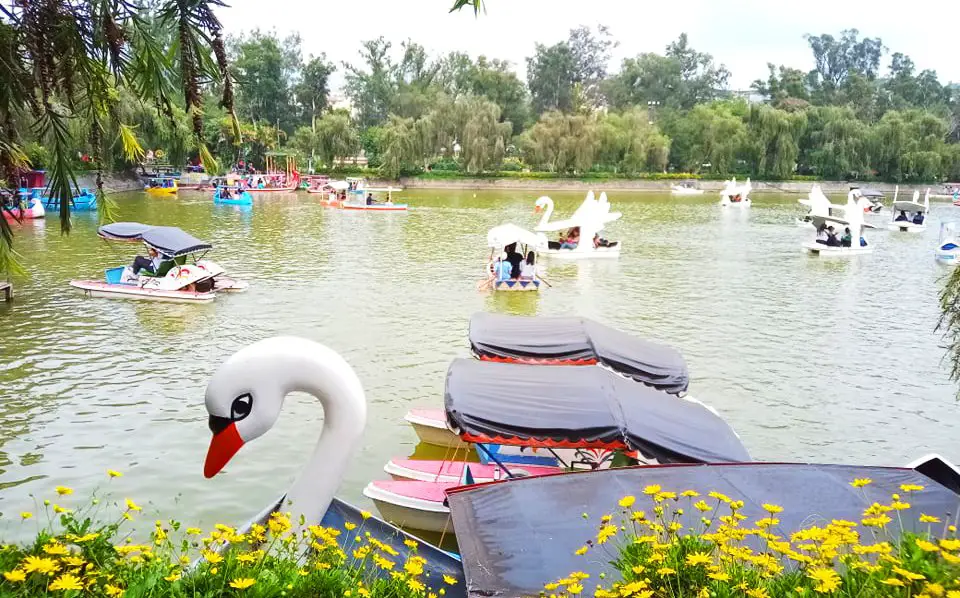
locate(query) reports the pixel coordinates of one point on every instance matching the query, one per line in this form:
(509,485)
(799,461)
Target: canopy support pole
(483,447)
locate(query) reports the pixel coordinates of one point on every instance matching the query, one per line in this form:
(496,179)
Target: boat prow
(416,505)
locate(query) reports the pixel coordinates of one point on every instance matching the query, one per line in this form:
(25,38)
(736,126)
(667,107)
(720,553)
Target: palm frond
(132,150)
(477,6)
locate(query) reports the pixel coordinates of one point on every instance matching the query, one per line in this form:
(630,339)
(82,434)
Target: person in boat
(225,193)
(822,234)
(502,268)
(832,240)
(514,259)
(918,218)
(599,241)
(572,240)
(847,239)
(151,263)
(528,269)
(370,200)
(902,217)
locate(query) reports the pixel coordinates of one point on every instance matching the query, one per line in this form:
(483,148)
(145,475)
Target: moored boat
(455,471)
(82,201)
(173,280)
(431,428)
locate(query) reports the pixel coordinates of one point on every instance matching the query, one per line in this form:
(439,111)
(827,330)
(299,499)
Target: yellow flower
(950,544)
(690,493)
(15,576)
(410,543)
(652,489)
(173,576)
(581,551)
(113,591)
(720,497)
(63,490)
(415,585)
(893,581)
(606,532)
(860,482)
(133,506)
(702,506)
(54,549)
(450,581)
(933,589)
(350,526)
(950,558)
(575,588)
(413,567)
(194,531)
(113,473)
(66,582)
(911,488)
(929,519)
(212,557)
(698,558)
(908,574)
(900,506)
(242,583)
(366,514)
(719,576)
(73,561)
(627,501)
(59,509)
(757,593)
(827,579)
(665,571)
(551,586)
(953,594)
(86,538)
(26,515)
(926,546)
(33,564)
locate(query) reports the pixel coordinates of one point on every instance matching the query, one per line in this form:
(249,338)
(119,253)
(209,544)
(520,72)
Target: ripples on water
(809,360)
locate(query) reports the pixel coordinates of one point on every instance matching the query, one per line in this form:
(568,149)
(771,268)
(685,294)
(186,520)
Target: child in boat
(528,269)
(502,268)
(847,239)
(572,239)
(822,234)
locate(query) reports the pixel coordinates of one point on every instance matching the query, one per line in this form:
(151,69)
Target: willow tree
(772,143)
(631,143)
(562,142)
(483,138)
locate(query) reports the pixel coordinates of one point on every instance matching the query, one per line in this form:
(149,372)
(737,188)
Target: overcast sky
(743,34)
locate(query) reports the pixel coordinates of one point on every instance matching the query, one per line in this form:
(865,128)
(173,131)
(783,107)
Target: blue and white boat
(232,196)
(85,201)
(948,249)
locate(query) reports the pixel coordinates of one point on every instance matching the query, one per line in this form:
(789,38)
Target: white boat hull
(430,431)
(95,288)
(948,258)
(381,207)
(408,512)
(584,254)
(821,250)
(907,227)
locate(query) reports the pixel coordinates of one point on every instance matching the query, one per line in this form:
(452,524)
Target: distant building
(750,95)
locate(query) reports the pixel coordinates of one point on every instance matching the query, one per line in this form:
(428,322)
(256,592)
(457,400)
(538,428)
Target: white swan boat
(853,220)
(819,205)
(498,269)
(685,188)
(590,218)
(874,198)
(904,214)
(244,398)
(948,244)
(734,195)
(175,281)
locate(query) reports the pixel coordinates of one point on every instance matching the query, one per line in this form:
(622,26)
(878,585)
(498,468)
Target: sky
(742,34)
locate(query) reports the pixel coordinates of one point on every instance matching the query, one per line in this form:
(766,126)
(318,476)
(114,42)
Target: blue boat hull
(84,202)
(245,199)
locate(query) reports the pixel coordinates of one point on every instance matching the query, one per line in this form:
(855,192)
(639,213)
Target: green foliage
(566,76)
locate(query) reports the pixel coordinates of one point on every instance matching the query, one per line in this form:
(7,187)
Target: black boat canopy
(577,340)
(168,240)
(582,407)
(515,536)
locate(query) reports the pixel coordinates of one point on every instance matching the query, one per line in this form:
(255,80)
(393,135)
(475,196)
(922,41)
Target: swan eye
(241,407)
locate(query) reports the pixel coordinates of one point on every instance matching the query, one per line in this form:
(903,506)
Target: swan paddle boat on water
(566,411)
(244,399)
(874,198)
(234,196)
(162,186)
(30,208)
(174,280)
(948,245)
(830,228)
(819,205)
(509,243)
(685,188)
(735,196)
(583,227)
(910,216)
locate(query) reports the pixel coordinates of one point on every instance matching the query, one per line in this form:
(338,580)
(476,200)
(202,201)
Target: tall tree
(265,68)
(567,75)
(371,87)
(837,59)
(313,88)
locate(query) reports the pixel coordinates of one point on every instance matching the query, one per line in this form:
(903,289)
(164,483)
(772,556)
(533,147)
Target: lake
(809,360)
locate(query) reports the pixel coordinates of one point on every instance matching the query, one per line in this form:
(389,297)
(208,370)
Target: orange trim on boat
(538,360)
(542,442)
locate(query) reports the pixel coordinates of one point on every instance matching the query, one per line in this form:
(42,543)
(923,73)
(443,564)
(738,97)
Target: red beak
(223,446)
(536,209)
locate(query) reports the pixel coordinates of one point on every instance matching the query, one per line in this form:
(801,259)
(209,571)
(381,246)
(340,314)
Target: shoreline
(641,185)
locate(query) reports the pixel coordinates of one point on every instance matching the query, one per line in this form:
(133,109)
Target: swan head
(245,395)
(542,203)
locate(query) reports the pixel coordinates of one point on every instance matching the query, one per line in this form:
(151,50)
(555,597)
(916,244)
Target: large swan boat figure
(852,219)
(589,219)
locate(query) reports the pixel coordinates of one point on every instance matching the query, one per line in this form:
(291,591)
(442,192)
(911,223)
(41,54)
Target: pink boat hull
(452,471)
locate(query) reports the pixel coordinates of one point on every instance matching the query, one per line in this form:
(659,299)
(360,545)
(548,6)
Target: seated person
(847,239)
(528,269)
(150,264)
(370,200)
(502,269)
(514,259)
(822,234)
(832,240)
(918,218)
(572,240)
(225,193)
(902,217)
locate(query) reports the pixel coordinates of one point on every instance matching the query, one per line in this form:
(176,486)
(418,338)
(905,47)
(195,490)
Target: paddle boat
(566,409)
(431,428)
(316,182)
(235,195)
(734,195)
(910,216)
(818,204)
(83,201)
(948,244)
(949,191)
(364,200)
(685,188)
(281,175)
(244,398)
(162,186)
(585,225)
(514,534)
(175,280)
(525,246)
(30,208)
(873,197)
(852,219)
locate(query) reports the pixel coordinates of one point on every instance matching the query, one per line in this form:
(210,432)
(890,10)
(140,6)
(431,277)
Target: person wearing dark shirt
(370,200)
(514,258)
(832,240)
(918,218)
(902,217)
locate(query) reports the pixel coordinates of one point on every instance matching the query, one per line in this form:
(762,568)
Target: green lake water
(808,360)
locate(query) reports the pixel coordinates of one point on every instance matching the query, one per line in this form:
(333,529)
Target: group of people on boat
(827,235)
(513,266)
(902,217)
(570,239)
